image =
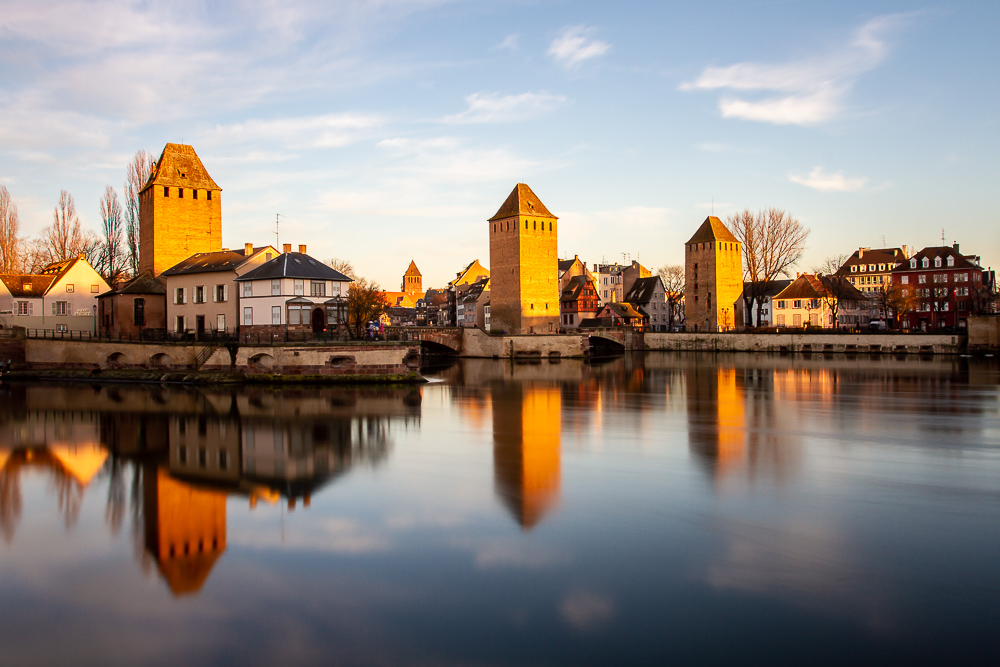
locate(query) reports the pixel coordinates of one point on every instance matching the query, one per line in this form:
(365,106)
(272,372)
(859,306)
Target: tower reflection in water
(527,430)
(188,452)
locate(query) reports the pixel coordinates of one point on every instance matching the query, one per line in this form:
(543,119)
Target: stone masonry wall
(174,228)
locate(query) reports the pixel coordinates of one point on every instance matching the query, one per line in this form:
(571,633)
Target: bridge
(472,342)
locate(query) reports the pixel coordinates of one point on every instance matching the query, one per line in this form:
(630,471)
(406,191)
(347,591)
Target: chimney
(302,249)
(861,253)
(906,251)
(247,249)
(286,247)
(955,246)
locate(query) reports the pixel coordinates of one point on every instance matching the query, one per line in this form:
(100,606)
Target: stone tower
(413,282)
(180,211)
(713,289)
(524,266)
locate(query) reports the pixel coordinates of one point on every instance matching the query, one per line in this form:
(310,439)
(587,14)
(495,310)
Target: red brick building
(944,285)
(578,301)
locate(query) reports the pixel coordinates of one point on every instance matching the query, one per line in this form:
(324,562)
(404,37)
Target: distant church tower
(180,211)
(524,267)
(713,287)
(413,282)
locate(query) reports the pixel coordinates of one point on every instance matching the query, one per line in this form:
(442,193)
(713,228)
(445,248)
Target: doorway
(199,325)
(318,320)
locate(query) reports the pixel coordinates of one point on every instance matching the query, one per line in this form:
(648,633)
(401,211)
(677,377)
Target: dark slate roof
(624,310)
(179,166)
(574,287)
(294,265)
(771,288)
(889,256)
(207,262)
(713,229)
(144,283)
(522,201)
(944,252)
(37,285)
(810,286)
(642,290)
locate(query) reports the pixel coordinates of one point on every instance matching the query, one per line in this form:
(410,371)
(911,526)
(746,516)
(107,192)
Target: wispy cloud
(575,45)
(799,93)
(511,42)
(818,179)
(497,108)
(326,131)
(448,160)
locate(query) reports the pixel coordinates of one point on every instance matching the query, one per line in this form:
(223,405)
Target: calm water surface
(648,509)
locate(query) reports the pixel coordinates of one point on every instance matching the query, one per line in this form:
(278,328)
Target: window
(275,286)
(550,226)
(796,320)
(247,316)
(59,307)
(881,267)
(179,296)
(871,267)
(209,198)
(62,328)
(166,192)
(194,194)
(937,262)
(922,278)
(70,288)
(139,312)
(951,261)
(925,263)
(854,268)
(94,289)
(247,289)
(905,280)
(179,324)
(180,193)
(797,304)
(295,314)
(220,322)
(298,289)
(863,268)
(913,263)
(199,294)
(24,307)
(222,293)
(781,306)
(317,288)
(961,277)
(275,314)
(940,277)
(781,320)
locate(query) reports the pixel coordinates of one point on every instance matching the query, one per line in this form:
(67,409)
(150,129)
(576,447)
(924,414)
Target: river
(691,508)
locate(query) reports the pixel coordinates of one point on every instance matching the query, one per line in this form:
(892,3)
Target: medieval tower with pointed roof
(413,281)
(713,287)
(180,211)
(524,265)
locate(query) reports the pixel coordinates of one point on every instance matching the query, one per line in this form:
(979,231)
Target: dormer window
(913,263)
(925,262)
(951,261)
(854,268)
(863,268)
(881,267)
(937,262)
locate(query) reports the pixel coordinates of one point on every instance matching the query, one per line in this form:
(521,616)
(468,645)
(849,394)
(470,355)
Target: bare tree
(365,303)
(772,242)
(672,277)
(344,266)
(136,175)
(11,245)
(836,291)
(65,238)
(113,259)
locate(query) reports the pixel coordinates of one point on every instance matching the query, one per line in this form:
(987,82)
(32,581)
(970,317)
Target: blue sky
(388,130)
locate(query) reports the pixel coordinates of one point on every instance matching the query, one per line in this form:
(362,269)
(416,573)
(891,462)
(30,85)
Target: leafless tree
(65,238)
(11,245)
(836,291)
(672,277)
(344,266)
(365,303)
(984,297)
(772,242)
(136,175)
(113,260)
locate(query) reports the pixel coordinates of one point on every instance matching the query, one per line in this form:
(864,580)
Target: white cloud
(818,179)
(497,108)
(511,42)
(327,131)
(575,45)
(800,93)
(447,160)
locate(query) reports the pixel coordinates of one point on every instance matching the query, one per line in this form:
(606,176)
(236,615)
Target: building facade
(524,261)
(292,292)
(137,306)
(579,301)
(180,211)
(713,266)
(201,290)
(943,287)
(648,297)
(63,297)
(805,303)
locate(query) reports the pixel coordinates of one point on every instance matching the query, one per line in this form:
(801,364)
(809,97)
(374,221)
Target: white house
(292,292)
(63,297)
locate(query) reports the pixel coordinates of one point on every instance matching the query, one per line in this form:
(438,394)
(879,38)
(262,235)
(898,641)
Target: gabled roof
(643,289)
(810,286)
(206,262)
(944,252)
(624,310)
(144,283)
(769,289)
(179,166)
(713,229)
(412,269)
(574,287)
(889,256)
(522,201)
(464,276)
(27,286)
(294,265)
(565,264)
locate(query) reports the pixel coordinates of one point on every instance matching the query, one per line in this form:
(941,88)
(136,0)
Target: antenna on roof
(942,236)
(277,239)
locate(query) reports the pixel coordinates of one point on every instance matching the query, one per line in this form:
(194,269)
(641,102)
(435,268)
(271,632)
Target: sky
(388,130)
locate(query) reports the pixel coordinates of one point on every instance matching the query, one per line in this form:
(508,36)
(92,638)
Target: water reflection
(173,457)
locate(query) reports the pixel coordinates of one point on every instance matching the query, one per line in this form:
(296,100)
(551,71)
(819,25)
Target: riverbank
(204,377)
